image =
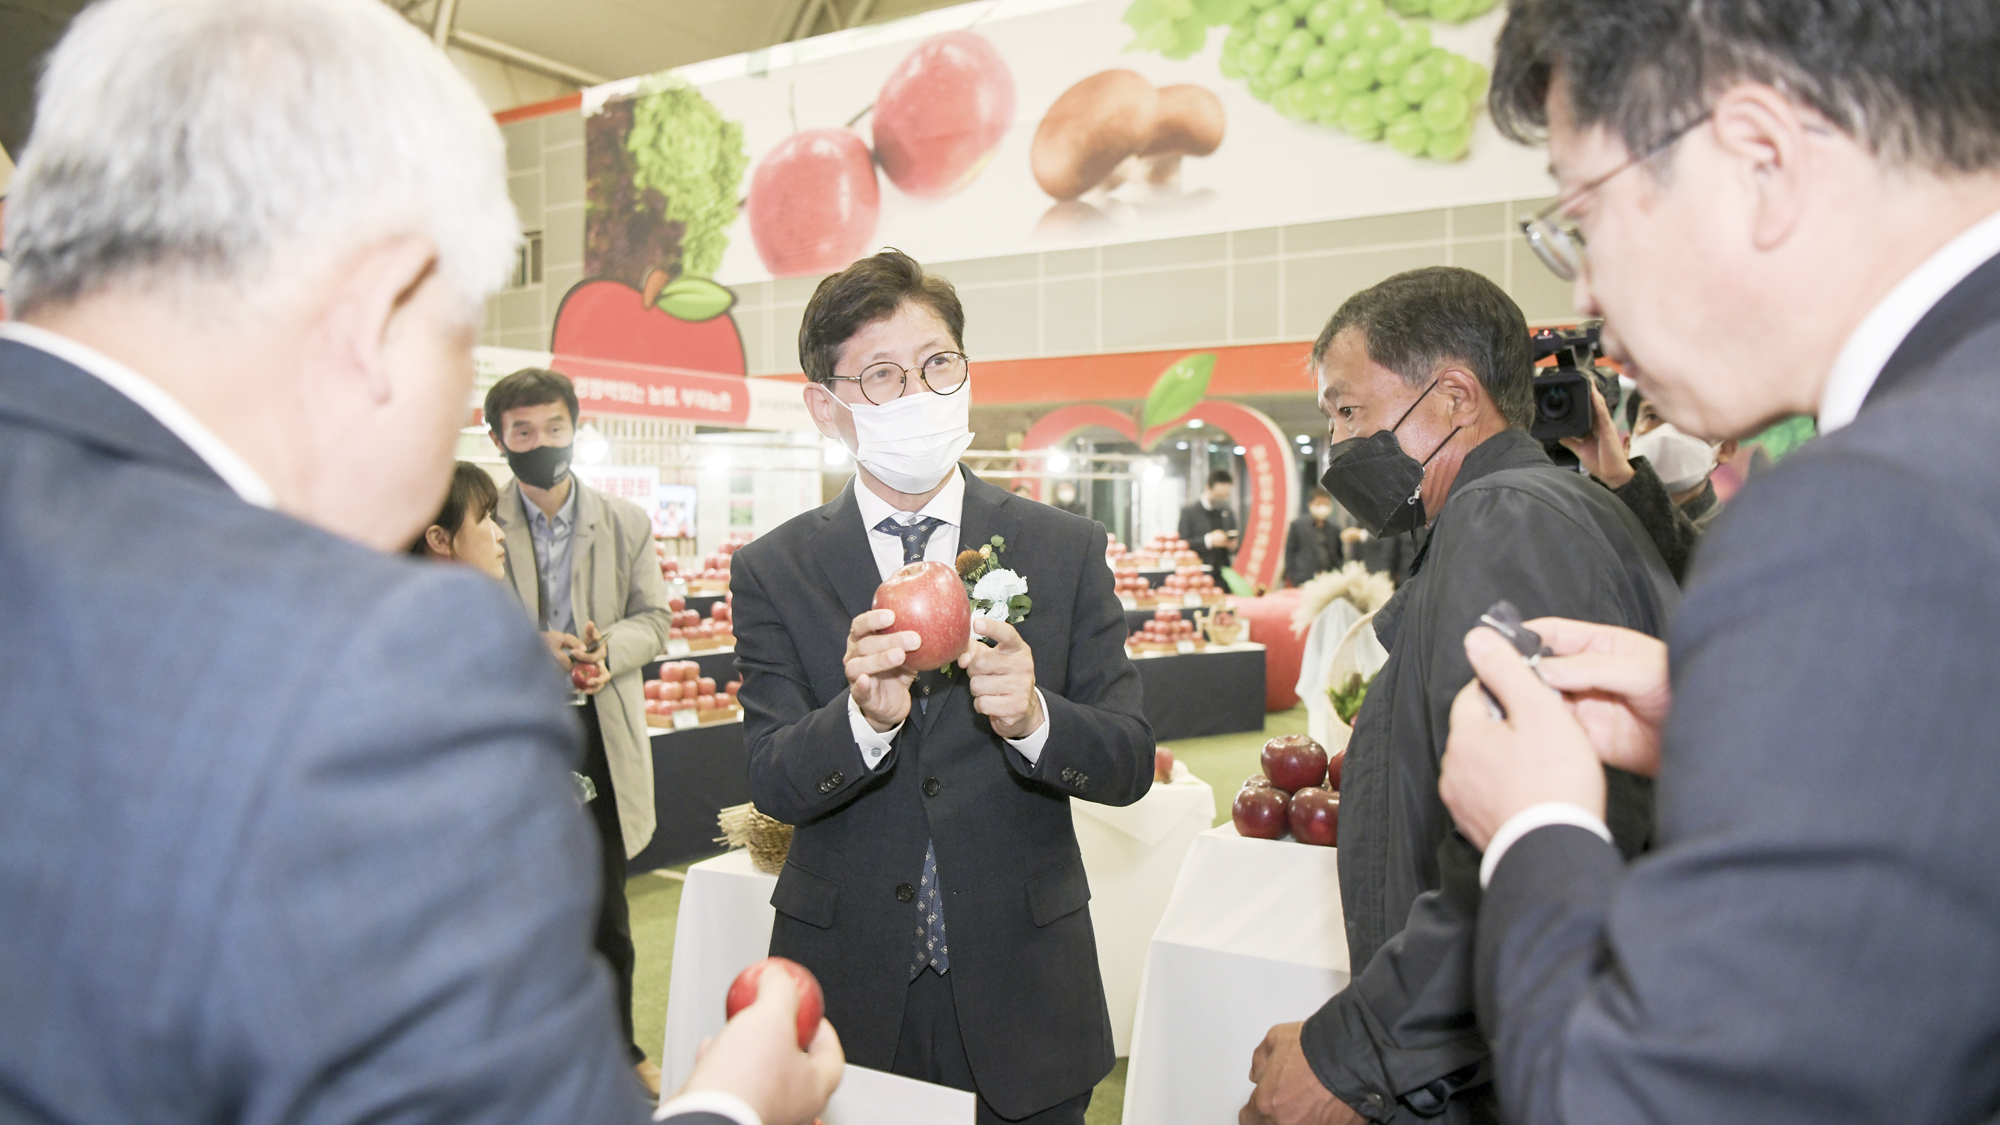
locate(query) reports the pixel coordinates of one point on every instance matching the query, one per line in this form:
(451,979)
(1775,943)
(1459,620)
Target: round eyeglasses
(943,373)
(1554,237)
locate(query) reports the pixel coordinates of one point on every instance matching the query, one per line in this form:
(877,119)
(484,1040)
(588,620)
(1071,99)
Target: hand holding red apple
(878,676)
(1003,679)
(757,1055)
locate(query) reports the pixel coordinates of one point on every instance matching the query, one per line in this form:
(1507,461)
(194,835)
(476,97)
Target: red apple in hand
(814,202)
(1163,764)
(1293,761)
(580,675)
(1315,816)
(942,113)
(1333,765)
(929,597)
(1259,812)
(812,1003)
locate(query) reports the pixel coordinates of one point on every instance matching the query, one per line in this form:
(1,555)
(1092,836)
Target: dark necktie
(930,948)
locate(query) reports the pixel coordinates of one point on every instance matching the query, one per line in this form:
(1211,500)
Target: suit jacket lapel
(513,518)
(840,550)
(52,394)
(983,515)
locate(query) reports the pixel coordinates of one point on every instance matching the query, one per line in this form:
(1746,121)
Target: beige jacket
(615,581)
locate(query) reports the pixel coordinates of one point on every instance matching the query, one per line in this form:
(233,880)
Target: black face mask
(542,466)
(1380,485)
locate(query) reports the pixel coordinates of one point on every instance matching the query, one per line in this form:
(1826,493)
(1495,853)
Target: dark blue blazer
(1023,959)
(1816,937)
(287,831)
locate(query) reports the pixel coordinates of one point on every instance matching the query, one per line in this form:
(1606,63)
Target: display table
(697,773)
(1219,690)
(1135,619)
(1253,937)
(718,664)
(1130,855)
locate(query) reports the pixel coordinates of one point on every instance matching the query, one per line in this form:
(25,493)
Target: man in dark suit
(1812,939)
(934,883)
(1209,524)
(1312,543)
(311,852)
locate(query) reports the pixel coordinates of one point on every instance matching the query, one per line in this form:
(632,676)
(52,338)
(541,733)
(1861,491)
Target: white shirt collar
(1886,326)
(164,408)
(948,505)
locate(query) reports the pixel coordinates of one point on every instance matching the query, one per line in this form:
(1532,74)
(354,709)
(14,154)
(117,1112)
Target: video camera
(1562,395)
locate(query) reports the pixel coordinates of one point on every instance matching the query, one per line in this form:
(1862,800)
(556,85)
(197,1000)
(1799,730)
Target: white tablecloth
(1130,854)
(1252,937)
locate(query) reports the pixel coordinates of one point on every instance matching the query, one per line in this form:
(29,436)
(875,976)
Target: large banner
(1010,126)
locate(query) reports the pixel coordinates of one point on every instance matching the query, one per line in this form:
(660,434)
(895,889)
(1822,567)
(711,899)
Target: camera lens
(1553,403)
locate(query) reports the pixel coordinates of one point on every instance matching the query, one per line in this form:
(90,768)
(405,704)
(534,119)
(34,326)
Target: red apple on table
(1256,781)
(1333,765)
(677,604)
(1259,812)
(814,202)
(942,113)
(930,598)
(1315,816)
(812,1003)
(1293,762)
(707,685)
(604,319)
(1163,764)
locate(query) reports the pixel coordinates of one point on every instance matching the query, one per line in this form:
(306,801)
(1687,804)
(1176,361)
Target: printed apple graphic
(1314,816)
(812,1002)
(1259,813)
(1294,762)
(942,113)
(813,202)
(684,324)
(930,598)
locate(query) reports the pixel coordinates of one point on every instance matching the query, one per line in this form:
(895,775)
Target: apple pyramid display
(1297,792)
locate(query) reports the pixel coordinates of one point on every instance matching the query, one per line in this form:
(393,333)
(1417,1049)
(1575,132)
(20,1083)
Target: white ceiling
(612,39)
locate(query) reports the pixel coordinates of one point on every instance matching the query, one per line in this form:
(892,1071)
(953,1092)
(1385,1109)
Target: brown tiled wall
(1245,287)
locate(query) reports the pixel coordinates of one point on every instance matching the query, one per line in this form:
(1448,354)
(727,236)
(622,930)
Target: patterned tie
(930,949)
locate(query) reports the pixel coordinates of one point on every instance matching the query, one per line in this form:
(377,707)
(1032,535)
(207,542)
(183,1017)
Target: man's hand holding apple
(1002,677)
(592,653)
(876,676)
(757,1057)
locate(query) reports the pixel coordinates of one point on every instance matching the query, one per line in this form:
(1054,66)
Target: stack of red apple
(1187,580)
(717,630)
(1299,792)
(1164,633)
(682,687)
(1114,552)
(1126,582)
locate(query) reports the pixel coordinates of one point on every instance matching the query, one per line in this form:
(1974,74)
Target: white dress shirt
(1853,375)
(147,396)
(949,506)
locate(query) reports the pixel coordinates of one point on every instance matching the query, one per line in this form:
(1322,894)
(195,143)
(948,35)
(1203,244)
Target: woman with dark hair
(464,530)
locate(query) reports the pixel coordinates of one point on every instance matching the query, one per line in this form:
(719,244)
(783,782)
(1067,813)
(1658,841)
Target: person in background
(1778,207)
(583,562)
(464,530)
(1427,378)
(1209,524)
(318,857)
(1067,497)
(1313,542)
(1659,472)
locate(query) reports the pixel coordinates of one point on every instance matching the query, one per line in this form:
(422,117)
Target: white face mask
(1682,460)
(910,444)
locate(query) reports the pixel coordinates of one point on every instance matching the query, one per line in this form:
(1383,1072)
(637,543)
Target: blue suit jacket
(288,832)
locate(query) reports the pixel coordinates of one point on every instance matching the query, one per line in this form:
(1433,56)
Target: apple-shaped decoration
(1259,812)
(812,1002)
(580,674)
(930,598)
(1163,764)
(1333,765)
(605,319)
(814,202)
(1314,816)
(1293,762)
(942,113)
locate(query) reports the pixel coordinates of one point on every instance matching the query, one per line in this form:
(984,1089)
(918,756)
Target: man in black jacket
(934,883)
(1790,207)
(1312,543)
(1209,524)
(1427,377)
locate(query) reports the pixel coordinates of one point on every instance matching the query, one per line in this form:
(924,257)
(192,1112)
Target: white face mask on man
(910,444)
(1682,461)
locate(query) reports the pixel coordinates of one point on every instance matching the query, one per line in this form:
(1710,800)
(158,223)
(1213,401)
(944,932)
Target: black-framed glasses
(943,373)
(1556,240)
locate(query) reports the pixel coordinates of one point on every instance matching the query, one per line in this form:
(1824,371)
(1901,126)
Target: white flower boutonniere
(995,592)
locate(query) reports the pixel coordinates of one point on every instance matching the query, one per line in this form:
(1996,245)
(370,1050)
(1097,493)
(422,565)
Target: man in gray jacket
(1427,378)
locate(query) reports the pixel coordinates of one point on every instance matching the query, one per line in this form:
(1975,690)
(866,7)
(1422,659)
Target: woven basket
(768,840)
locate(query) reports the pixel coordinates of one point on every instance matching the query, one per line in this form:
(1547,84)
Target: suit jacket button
(831,781)
(931,787)
(905,892)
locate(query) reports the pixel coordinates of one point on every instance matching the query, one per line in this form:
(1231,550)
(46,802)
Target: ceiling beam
(526,60)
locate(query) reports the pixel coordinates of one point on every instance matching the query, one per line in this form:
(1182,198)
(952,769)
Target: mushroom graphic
(1114,133)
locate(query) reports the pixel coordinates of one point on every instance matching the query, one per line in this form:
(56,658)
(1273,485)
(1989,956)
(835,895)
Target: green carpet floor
(1223,761)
